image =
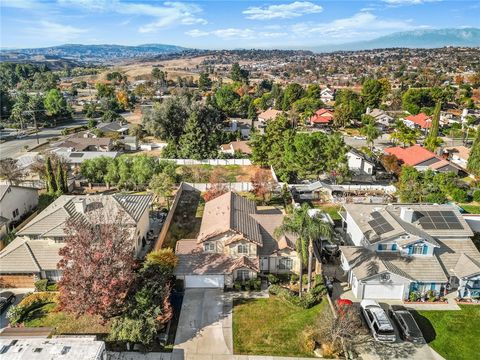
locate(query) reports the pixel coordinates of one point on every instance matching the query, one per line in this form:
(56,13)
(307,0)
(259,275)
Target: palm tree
(369,130)
(307,228)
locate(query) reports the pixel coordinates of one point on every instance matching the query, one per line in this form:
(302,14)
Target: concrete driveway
(205,324)
(19,294)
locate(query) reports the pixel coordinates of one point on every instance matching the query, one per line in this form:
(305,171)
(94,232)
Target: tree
(161,184)
(227,99)
(50,177)
(374,91)
(369,130)
(238,74)
(473,165)
(292,93)
(432,142)
(217,184)
(204,82)
(404,135)
(262,184)
(98,264)
(92,123)
(414,100)
(307,229)
(59,181)
(10,170)
(390,163)
(347,107)
(55,103)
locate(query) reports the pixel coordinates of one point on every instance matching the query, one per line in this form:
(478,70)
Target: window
(15,213)
(382,247)
(285,263)
(243,275)
(418,249)
(209,246)
(242,249)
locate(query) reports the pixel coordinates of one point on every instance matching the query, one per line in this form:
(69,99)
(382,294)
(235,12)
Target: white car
(357,137)
(378,321)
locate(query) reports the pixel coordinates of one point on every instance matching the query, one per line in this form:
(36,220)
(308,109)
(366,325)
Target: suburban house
(421,158)
(236,241)
(458,155)
(130,143)
(236,147)
(381,117)
(33,254)
(239,124)
(15,202)
(327,95)
(74,158)
(322,117)
(420,121)
(267,115)
(114,127)
(86,144)
(397,249)
(359,163)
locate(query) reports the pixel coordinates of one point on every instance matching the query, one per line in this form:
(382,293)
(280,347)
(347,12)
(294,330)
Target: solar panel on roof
(379,224)
(440,220)
(76,155)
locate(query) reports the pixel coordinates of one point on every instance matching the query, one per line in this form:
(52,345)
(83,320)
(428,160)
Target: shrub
(41,285)
(274,289)
(413,296)
(272,279)
(164,258)
(459,195)
(14,314)
(257,285)
(237,285)
(307,340)
(38,299)
(52,287)
(476,195)
(294,278)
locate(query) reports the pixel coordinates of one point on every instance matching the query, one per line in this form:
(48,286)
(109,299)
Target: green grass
(63,323)
(271,327)
(472,209)
(453,334)
(331,210)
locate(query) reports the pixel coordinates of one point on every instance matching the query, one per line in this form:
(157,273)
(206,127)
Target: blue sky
(222,24)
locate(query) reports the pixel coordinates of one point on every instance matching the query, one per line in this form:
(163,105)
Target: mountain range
(425,38)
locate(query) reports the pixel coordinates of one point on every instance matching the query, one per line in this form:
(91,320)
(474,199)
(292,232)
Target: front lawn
(271,327)
(453,334)
(330,209)
(470,208)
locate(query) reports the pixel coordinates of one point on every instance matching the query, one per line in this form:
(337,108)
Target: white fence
(233,186)
(214,162)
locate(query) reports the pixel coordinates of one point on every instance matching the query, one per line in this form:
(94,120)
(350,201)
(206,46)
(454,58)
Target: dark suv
(6,299)
(407,325)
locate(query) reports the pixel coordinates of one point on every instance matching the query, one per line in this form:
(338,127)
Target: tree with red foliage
(391,164)
(262,184)
(98,265)
(217,187)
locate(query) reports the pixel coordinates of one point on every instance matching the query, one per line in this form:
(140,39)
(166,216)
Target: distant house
(242,125)
(359,163)
(15,202)
(458,155)
(236,146)
(114,127)
(77,157)
(421,158)
(267,115)
(34,252)
(322,117)
(419,121)
(130,143)
(327,95)
(86,144)
(381,117)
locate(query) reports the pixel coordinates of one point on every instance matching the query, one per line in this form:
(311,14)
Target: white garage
(383,291)
(204,281)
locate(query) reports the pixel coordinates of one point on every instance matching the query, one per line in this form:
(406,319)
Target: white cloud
(19,4)
(234,33)
(168,14)
(359,26)
(48,30)
(408,2)
(197,33)
(282,11)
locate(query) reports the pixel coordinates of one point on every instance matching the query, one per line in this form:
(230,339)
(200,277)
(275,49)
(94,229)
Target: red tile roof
(322,116)
(412,155)
(422,120)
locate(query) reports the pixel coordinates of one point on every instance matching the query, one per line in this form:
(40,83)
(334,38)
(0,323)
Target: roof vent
(406,214)
(80,205)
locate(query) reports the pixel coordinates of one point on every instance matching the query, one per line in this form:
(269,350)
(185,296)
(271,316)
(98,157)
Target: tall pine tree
(432,142)
(473,165)
(50,177)
(59,179)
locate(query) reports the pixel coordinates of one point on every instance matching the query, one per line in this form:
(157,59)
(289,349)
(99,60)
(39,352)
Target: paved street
(382,142)
(15,148)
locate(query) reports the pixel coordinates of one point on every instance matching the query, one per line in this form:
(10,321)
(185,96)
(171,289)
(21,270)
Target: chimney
(80,205)
(406,214)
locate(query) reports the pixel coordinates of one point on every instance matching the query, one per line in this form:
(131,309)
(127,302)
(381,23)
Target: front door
(264,263)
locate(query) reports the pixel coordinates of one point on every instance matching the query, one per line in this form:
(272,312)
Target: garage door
(17,281)
(383,291)
(204,281)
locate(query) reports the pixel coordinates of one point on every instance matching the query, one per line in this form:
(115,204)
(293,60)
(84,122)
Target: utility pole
(32,112)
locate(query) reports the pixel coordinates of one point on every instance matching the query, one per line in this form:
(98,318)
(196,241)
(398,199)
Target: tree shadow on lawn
(425,326)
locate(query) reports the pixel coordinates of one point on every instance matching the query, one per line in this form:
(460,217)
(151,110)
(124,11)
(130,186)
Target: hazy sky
(222,24)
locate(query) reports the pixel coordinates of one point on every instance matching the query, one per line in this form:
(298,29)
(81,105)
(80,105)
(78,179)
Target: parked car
(407,325)
(378,321)
(7,298)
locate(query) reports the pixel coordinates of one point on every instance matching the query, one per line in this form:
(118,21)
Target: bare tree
(10,170)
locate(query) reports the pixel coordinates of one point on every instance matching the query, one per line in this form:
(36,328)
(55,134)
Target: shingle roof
(466,266)
(422,120)
(269,114)
(230,212)
(268,223)
(202,263)
(50,221)
(450,253)
(23,255)
(4,189)
(366,263)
